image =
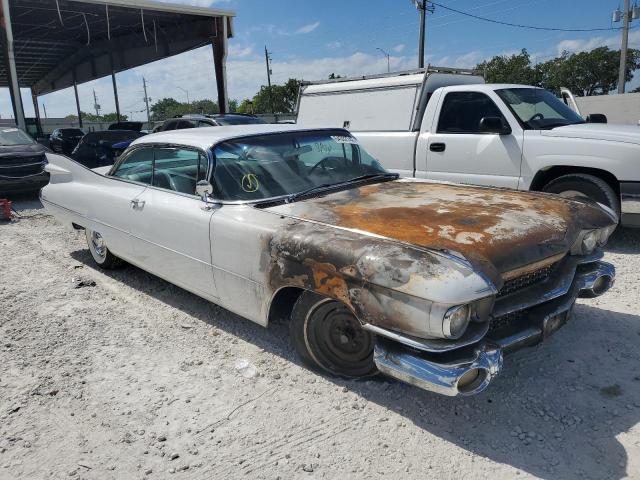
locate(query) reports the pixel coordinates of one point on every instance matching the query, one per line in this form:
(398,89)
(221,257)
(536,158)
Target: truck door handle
(437,147)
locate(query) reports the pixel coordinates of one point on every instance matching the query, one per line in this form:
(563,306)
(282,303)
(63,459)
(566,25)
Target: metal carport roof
(54,44)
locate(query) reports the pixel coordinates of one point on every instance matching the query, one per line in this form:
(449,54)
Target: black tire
(327,335)
(582,184)
(99,251)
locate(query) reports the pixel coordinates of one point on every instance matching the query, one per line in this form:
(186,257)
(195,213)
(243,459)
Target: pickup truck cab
(453,127)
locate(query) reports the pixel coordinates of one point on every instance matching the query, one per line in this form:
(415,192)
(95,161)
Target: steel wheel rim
(336,340)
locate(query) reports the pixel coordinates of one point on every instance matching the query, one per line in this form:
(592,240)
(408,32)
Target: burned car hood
(496,230)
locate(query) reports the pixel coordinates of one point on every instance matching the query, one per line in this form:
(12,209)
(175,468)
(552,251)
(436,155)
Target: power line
(518,25)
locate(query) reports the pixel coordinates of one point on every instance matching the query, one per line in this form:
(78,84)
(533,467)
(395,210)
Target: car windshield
(538,109)
(284,164)
(14,136)
(238,120)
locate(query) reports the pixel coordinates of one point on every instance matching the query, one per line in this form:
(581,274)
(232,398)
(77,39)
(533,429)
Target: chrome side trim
(630,203)
(442,378)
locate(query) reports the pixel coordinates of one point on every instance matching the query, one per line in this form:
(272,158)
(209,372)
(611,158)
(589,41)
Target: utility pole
(627,15)
(267,58)
(424,7)
(96,105)
(44,107)
(386,55)
(146,99)
(185,91)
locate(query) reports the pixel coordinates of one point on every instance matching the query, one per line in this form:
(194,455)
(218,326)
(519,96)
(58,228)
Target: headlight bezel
(451,326)
(590,240)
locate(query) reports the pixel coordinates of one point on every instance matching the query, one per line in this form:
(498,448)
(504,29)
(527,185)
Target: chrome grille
(526,280)
(507,320)
(17,167)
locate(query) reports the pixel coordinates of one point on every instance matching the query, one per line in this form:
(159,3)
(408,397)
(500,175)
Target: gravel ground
(135,378)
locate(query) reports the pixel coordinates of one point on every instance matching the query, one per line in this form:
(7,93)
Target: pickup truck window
(462,111)
(538,109)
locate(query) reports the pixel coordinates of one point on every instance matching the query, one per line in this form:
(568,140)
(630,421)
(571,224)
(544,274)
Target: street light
(185,91)
(386,55)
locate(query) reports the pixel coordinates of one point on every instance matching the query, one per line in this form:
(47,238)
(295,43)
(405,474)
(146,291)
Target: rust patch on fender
(328,281)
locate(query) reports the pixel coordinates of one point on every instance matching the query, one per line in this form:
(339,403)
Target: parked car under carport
(22,162)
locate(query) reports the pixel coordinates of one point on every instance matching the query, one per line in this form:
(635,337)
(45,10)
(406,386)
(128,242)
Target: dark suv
(64,140)
(22,162)
(199,121)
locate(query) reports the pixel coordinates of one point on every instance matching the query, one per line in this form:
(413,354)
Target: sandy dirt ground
(134,378)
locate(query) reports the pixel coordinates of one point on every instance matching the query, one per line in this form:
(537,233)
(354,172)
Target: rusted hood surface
(497,230)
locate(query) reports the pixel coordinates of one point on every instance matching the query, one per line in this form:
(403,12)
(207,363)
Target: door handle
(437,147)
(135,203)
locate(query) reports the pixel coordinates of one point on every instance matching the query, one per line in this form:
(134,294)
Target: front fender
(385,283)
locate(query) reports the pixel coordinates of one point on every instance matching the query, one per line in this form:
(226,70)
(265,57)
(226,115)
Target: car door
(460,152)
(114,205)
(170,230)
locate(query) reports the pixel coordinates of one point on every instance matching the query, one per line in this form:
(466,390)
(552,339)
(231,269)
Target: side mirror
(494,125)
(596,118)
(203,190)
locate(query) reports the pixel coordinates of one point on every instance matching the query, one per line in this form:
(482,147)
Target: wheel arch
(282,302)
(544,176)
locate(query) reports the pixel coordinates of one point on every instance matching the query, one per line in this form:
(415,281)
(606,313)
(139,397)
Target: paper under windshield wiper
(371,176)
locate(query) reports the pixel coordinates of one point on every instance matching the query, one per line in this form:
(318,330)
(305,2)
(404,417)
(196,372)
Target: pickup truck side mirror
(494,125)
(596,118)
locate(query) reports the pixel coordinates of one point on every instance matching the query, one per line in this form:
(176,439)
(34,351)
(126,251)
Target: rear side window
(183,124)
(461,112)
(179,169)
(137,167)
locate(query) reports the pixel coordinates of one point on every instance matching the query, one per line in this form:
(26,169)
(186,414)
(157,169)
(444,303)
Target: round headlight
(456,321)
(589,241)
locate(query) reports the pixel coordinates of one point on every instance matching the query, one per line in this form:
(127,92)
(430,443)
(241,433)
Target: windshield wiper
(327,186)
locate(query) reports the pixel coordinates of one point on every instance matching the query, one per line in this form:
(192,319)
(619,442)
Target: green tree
(277,98)
(509,69)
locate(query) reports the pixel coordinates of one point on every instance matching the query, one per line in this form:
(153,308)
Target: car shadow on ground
(555,411)
(624,240)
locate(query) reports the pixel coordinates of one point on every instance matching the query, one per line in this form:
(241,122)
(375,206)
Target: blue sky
(312,39)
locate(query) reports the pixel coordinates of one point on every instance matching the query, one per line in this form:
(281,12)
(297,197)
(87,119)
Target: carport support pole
(115,94)
(36,109)
(14,87)
(75,90)
(219,44)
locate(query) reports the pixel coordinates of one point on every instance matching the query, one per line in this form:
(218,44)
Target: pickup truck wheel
(99,251)
(576,185)
(326,334)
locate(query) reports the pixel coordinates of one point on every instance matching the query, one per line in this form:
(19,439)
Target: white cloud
(585,44)
(307,28)
(398,48)
(334,45)
(240,51)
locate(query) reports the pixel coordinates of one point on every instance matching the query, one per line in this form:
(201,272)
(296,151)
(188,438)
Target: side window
(179,169)
(183,124)
(137,166)
(203,124)
(461,112)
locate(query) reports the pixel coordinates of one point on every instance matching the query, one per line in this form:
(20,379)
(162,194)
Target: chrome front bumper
(469,370)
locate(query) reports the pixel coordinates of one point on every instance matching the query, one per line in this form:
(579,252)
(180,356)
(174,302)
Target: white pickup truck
(450,125)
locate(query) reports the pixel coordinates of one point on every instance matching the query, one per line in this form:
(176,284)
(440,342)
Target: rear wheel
(326,334)
(576,185)
(99,251)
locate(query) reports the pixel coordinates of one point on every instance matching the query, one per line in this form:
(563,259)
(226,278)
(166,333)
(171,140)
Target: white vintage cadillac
(427,282)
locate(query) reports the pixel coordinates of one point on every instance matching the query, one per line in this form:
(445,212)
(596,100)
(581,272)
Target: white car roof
(204,138)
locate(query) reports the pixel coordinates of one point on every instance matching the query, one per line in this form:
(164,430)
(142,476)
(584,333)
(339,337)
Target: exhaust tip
(473,381)
(601,285)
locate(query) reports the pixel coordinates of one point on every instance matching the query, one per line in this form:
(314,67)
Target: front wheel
(99,251)
(326,334)
(576,185)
